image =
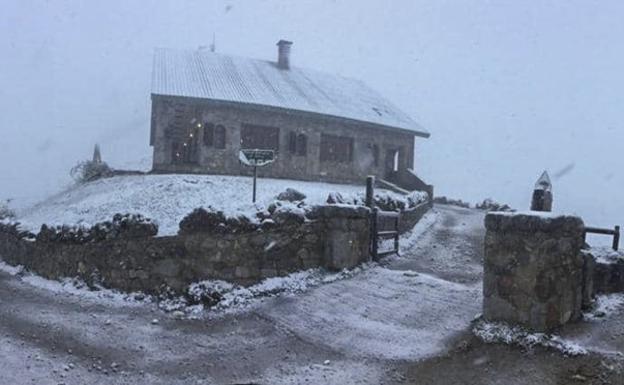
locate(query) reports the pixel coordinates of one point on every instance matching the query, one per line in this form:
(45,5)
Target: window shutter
(302,145)
(208,134)
(292,142)
(219,137)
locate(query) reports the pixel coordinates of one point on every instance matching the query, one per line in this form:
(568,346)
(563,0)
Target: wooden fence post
(374,244)
(370,191)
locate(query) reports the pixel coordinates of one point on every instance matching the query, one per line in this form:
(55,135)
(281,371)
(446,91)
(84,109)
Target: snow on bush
(448,201)
(606,254)
(221,295)
(385,200)
(5,211)
(203,219)
(605,306)
(126,225)
(491,205)
(88,171)
(498,332)
(291,195)
(208,293)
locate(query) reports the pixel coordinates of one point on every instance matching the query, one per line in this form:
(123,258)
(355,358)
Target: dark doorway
(185,149)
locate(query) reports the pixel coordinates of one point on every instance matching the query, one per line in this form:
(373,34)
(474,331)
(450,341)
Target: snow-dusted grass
(166,199)
(498,332)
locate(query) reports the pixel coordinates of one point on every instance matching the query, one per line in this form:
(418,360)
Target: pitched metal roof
(208,75)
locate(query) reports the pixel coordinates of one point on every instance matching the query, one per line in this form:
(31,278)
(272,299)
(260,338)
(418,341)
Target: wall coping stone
(343,211)
(533,222)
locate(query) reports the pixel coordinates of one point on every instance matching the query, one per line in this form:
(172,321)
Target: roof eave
(419,133)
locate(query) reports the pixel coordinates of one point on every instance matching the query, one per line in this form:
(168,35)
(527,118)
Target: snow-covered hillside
(167,198)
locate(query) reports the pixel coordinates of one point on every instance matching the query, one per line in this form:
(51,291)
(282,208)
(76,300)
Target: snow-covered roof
(207,75)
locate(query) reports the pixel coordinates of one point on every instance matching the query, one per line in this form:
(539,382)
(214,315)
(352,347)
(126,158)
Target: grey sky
(507,88)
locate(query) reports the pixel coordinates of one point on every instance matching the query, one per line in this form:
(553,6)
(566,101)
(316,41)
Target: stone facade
(533,269)
(373,146)
(333,237)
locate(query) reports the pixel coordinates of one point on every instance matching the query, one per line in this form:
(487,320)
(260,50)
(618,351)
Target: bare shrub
(5,211)
(88,171)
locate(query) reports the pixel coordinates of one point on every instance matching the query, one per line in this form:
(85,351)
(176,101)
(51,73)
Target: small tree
(88,171)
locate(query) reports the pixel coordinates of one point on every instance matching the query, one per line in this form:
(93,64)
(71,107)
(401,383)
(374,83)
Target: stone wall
(332,236)
(533,269)
(411,216)
(607,270)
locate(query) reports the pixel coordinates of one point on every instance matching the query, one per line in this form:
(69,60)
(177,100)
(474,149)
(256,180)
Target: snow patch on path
(411,238)
(235,298)
(498,332)
(381,313)
(75,287)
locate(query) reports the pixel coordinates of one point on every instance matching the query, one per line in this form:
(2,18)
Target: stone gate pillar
(347,236)
(533,269)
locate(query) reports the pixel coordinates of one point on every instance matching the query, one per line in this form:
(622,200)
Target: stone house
(207,106)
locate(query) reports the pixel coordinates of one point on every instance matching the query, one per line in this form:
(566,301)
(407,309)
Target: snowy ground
(168,198)
(406,320)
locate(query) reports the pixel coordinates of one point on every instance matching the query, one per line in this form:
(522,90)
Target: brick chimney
(283,54)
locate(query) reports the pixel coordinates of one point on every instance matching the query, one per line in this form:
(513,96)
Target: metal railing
(615,232)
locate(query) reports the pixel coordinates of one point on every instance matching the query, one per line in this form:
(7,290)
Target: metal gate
(384,227)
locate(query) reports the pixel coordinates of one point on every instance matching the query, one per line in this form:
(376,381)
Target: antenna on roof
(213,46)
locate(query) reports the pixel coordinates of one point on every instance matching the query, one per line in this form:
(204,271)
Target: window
(208,134)
(297,144)
(292,142)
(260,137)
(214,136)
(336,148)
(219,137)
(302,145)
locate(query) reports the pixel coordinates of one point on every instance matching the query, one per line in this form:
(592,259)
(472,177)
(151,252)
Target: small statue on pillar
(542,194)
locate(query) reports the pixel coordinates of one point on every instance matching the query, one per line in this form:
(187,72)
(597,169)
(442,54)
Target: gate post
(373,235)
(396,237)
(370,191)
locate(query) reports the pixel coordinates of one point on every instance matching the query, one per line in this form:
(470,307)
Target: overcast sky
(507,88)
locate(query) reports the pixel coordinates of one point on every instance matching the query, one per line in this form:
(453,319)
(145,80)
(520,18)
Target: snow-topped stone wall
(533,269)
(131,258)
